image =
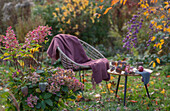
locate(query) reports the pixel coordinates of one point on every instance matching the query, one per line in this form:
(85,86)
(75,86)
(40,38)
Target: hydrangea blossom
(37,35)
(32,100)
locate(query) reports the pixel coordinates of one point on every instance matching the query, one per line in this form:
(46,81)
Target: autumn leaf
(168,76)
(103,92)
(111,78)
(107,10)
(153,38)
(154,64)
(153,1)
(101,7)
(150,63)
(158,60)
(121,1)
(111,91)
(6,54)
(79,96)
(124,2)
(109,85)
(85,80)
(152,82)
(133,101)
(163,91)
(114,2)
(21,63)
(121,85)
(101,0)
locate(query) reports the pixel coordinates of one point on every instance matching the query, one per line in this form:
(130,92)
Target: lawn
(103,100)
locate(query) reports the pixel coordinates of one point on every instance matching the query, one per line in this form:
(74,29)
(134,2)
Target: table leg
(117,86)
(125,89)
(147,90)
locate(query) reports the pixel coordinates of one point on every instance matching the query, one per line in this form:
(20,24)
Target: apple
(140,68)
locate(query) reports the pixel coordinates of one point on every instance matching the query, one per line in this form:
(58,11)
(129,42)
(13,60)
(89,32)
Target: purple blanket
(71,46)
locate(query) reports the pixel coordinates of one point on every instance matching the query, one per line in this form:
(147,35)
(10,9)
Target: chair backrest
(90,51)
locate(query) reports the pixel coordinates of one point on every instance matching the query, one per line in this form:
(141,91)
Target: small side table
(126,76)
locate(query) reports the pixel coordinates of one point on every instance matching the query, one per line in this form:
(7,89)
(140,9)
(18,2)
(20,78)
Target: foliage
(32,88)
(155,21)
(75,17)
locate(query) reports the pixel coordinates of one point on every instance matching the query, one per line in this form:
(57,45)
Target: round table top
(123,72)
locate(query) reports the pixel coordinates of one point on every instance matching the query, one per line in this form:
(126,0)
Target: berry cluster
(134,26)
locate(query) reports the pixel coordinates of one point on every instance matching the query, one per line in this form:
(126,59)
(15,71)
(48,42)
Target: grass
(136,98)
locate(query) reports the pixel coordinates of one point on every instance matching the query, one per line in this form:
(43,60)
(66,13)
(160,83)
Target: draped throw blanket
(72,48)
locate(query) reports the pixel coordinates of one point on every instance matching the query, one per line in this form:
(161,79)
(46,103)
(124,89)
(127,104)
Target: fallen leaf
(121,85)
(97,96)
(156,103)
(111,91)
(111,78)
(133,101)
(168,76)
(109,85)
(152,82)
(85,80)
(163,91)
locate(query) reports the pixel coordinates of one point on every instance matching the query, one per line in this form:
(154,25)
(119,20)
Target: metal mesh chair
(90,51)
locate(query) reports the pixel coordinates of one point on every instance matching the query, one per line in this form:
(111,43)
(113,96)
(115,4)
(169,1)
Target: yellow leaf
(160,52)
(98,15)
(114,2)
(158,60)
(101,7)
(150,63)
(107,10)
(124,2)
(160,46)
(103,92)
(111,91)
(109,85)
(111,78)
(55,15)
(152,82)
(121,85)
(163,91)
(31,55)
(121,1)
(153,38)
(6,58)
(6,54)
(166,3)
(162,40)
(57,9)
(154,64)
(21,62)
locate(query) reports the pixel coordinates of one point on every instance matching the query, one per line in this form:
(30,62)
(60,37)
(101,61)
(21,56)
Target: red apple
(140,68)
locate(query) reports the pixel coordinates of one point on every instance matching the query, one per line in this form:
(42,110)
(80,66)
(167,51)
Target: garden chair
(68,63)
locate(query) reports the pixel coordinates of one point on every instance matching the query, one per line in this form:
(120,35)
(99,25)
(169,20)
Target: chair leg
(83,83)
(117,86)
(80,74)
(147,91)
(125,89)
(83,76)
